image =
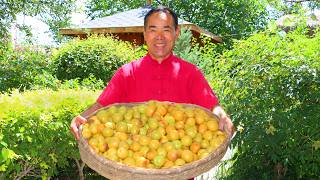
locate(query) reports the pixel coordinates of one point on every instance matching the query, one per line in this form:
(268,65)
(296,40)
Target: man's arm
(225,122)
(82,118)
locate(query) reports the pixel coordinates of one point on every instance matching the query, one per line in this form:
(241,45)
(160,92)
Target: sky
(40,31)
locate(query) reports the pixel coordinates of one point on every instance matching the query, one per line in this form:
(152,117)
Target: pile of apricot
(153,134)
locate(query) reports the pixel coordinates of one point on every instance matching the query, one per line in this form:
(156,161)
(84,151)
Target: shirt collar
(169,59)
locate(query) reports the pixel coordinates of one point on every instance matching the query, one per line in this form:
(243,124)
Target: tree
(101,8)
(55,13)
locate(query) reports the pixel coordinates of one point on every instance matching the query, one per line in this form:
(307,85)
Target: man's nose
(160,35)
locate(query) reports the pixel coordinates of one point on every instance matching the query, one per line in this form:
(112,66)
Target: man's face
(160,35)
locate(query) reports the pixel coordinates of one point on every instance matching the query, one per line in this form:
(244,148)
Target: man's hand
(80,119)
(225,122)
(75,124)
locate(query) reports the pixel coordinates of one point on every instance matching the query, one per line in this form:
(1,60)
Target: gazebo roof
(126,22)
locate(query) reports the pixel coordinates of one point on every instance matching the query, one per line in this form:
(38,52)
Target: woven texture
(114,170)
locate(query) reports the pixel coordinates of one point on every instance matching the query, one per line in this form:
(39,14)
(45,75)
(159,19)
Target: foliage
(35,139)
(183,45)
(270,84)
(229,19)
(18,68)
(58,15)
(47,80)
(31,68)
(98,8)
(5,48)
(99,56)
(200,54)
(53,12)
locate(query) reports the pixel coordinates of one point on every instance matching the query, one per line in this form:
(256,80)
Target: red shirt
(172,80)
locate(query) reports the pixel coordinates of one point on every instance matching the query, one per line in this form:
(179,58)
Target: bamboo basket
(115,170)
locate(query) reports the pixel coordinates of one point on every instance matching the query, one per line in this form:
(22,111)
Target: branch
(80,165)
(25,171)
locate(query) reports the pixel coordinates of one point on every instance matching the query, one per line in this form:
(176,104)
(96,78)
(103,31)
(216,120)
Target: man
(159,75)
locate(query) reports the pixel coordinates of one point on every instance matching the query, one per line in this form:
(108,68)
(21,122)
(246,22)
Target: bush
(270,84)
(99,56)
(18,68)
(202,55)
(35,140)
(46,80)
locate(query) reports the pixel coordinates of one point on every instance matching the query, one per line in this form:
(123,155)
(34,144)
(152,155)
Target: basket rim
(222,148)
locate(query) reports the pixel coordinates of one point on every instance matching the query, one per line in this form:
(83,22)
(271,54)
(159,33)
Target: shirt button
(159,91)
(158,77)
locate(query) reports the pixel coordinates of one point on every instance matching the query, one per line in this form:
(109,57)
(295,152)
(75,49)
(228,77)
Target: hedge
(35,140)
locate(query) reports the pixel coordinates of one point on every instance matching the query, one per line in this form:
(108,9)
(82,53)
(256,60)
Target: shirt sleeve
(201,92)
(114,91)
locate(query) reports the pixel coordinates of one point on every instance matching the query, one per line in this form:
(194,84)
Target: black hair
(161,9)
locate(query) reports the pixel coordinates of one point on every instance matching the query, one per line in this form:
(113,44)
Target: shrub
(99,56)
(47,80)
(35,139)
(18,68)
(270,84)
(202,55)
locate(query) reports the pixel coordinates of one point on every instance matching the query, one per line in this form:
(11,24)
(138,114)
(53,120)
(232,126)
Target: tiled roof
(125,22)
(131,18)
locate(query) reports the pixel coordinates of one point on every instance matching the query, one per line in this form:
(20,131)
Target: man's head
(161,9)
(160,32)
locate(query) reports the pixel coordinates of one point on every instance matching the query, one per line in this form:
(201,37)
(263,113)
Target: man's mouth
(160,45)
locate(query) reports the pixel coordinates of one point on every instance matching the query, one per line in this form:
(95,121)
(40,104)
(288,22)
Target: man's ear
(177,32)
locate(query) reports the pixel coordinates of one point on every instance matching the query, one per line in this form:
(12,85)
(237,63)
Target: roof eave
(77,31)
(132,29)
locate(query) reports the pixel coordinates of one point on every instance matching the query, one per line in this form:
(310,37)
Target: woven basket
(115,170)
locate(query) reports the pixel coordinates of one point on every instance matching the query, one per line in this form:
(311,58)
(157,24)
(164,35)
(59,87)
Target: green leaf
(44,165)
(271,129)
(29,139)
(8,154)
(3,167)
(316,145)
(4,144)
(22,129)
